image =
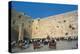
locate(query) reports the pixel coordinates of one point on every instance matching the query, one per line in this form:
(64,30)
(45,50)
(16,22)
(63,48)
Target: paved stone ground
(61,45)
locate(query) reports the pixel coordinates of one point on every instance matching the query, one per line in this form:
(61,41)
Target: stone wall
(21,22)
(61,25)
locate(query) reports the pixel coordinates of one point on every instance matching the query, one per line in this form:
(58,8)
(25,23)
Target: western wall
(61,25)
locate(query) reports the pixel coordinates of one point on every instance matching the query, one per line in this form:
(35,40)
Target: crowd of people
(37,43)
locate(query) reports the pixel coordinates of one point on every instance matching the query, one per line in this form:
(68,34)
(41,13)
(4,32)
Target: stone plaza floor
(61,45)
